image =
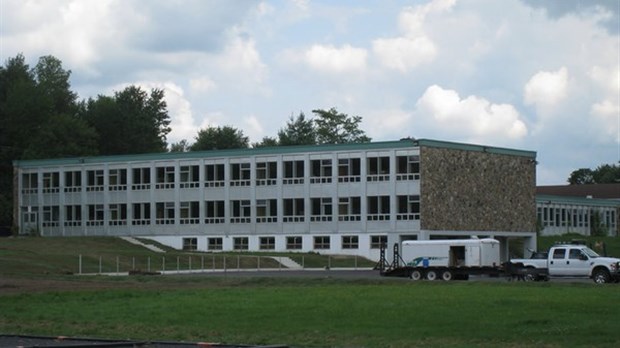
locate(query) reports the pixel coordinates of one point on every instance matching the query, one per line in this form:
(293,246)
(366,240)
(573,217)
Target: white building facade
(333,199)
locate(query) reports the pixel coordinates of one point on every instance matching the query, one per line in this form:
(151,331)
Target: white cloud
(242,64)
(473,117)
(546,89)
(330,59)
(415,47)
(202,84)
(253,128)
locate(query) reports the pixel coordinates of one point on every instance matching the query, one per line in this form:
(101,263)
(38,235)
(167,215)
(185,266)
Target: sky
(536,75)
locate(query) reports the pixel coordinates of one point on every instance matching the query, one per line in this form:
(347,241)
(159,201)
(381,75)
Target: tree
(603,174)
(131,121)
(266,142)
(220,138)
(181,146)
(298,131)
(333,127)
(581,176)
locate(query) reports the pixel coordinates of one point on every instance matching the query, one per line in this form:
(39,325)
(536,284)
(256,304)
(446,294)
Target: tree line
(41,117)
(603,174)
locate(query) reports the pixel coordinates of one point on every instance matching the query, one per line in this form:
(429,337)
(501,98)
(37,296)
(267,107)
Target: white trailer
(449,259)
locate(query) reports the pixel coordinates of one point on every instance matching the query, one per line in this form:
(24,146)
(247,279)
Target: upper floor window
(73,181)
(95,215)
(293,209)
(378,169)
(266,210)
(51,182)
(240,174)
(164,178)
(378,208)
(240,211)
(141,214)
(190,177)
(321,171)
(189,213)
(349,209)
(164,213)
(408,168)
(321,209)
(30,183)
(408,207)
(95,180)
(141,179)
(118,180)
(214,175)
(293,172)
(118,214)
(214,212)
(266,173)
(349,170)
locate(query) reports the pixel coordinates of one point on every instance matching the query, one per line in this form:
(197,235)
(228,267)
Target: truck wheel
(601,276)
(431,275)
(416,275)
(446,275)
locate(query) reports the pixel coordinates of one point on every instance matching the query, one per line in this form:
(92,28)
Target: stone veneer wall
(476,191)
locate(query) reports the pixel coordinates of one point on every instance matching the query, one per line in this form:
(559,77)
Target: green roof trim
(577,201)
(265,151)
(474,147)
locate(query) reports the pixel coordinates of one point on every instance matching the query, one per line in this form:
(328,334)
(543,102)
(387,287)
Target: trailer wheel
(415,275)
(431,275)
(447,275)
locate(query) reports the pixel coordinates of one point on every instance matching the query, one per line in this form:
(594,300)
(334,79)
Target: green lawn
(339,313)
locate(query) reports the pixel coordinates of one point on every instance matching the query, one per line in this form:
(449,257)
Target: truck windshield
(590,252)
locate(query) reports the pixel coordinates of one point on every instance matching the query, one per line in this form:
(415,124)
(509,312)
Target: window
(141,214)
(118,214)
(95,180)
(240,212)
(350,242)
(378,208)
(189,213)
(51,215)
(214,175)
(321,171)
(214,212)
(266,173)
(51,182)
(294,243)
(73,181)
(141,179)
(378,169)
(408,207)
(73,215)
(95,215)
(189,177)
(408,168)
(559,253)
(240,243)
(377,241)
(267,243)
(349,209)
(266,210)
(240,174)
(164,213)
(29,183)
(164,177)
(321,209)
(349,170)
(214,243)
(574,254)
(293,209)
(321,242)
(118,180)
(293,173)
(190,244)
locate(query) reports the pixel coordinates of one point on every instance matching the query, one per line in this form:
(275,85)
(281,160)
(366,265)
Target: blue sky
(541,75)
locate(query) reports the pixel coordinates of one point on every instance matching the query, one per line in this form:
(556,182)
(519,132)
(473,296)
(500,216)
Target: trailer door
(473,255)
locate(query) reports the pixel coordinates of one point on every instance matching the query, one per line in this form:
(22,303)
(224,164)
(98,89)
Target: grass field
(300,312)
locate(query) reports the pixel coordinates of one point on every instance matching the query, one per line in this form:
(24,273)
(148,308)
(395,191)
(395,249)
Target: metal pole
(190,262)
(100,265)
(148,264)
(202,262)
(118,265)
(178,264)
(163,264)
(238,262)
(133,262)
(213,262)
(279,263)
(258,263)
(80,264)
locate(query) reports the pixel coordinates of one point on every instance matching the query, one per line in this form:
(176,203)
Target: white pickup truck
(575,261)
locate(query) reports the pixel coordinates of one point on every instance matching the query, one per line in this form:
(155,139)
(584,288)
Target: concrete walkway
(287,262)
(134,241)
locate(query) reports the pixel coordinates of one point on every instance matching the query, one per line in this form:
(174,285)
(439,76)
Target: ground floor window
(350,242)
(190,244)
(267,243)
(240,243)
(377,241)
(321,242)
(214,243)
(293,243)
